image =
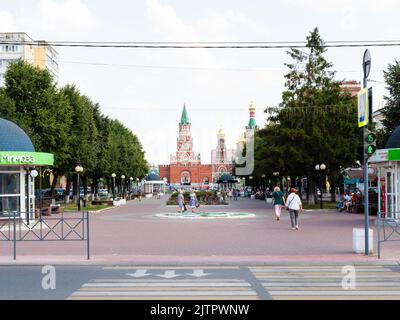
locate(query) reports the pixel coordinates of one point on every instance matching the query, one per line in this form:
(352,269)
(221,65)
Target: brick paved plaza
(133,234)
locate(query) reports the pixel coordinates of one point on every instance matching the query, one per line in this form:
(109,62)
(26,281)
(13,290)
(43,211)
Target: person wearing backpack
(278,200)
(294,206)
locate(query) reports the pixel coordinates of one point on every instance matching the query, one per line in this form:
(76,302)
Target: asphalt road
(200,283)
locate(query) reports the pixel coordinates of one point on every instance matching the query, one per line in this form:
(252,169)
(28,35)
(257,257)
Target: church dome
(13,138)
(394,140)
(153,177)
(221,132)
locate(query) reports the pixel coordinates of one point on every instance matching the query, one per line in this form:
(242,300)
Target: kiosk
(18,164)
(387,163)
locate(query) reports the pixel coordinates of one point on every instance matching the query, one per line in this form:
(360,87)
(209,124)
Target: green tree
(315,122)
(391,111)
(40,109)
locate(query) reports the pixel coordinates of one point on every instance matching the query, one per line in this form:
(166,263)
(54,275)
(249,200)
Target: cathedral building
(221,158)
(185,166)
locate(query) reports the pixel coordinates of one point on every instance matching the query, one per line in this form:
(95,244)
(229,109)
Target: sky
(146,88)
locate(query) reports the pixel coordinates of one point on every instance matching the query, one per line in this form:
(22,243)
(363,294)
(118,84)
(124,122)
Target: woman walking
(181,201)
(193,200)
(278,200)
(295,207)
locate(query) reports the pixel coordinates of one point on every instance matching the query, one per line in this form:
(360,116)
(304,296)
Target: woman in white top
(295,206)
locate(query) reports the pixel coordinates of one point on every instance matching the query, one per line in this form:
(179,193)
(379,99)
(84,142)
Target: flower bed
(204,198)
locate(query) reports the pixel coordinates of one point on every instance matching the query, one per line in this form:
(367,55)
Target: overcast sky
(146,88)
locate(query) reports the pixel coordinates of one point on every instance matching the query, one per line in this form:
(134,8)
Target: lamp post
(33,174)
(113,176)
(78,170)
(123,186)
(320,168)
(276,175)
(130,186)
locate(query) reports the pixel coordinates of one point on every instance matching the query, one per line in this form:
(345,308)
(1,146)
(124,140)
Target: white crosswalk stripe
(325,282)
(165,289)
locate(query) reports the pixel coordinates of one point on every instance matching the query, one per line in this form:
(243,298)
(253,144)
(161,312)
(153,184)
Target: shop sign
(26,158)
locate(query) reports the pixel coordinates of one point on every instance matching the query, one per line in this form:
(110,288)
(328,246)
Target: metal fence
(73,227)
(388,229)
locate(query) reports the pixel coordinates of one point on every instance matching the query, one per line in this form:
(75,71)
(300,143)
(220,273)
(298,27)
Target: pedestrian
(181,201)
(193,200)
(294,206)
(235,194)
(278,200)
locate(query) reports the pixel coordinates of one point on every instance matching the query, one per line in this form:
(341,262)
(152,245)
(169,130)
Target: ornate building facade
(185,166)
(221,157)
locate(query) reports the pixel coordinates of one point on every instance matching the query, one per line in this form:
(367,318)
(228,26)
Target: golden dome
(252,106)
(221,132)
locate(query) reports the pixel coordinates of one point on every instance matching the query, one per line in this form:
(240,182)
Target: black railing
(388,228)
(73,227)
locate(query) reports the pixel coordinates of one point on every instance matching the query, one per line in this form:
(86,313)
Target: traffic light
(369,143)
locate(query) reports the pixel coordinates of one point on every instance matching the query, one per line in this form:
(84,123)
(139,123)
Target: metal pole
(79,193)
(88,236)
(366,204)
(15,237)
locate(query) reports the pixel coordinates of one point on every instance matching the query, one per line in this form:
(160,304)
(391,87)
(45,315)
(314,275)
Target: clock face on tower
(185,146)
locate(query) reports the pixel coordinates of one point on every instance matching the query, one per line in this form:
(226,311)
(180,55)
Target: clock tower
(184,154)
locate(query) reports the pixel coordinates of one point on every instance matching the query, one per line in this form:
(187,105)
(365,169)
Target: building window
(9,193)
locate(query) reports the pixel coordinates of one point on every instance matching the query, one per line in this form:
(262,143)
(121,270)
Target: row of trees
(315,123)
(69,125)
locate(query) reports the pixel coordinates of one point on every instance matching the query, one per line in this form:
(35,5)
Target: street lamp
(113,176)
(320,168)
(78,170)
(123,186)
(130,186)
(276,175)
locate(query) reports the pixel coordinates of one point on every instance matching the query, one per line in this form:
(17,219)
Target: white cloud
(359,5)
(57,19)
(7,22)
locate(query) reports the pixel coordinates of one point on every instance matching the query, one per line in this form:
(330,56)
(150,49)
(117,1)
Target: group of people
(229,194)
(193,201)
(293,204)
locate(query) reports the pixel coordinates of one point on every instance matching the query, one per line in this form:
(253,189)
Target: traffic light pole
(366,204)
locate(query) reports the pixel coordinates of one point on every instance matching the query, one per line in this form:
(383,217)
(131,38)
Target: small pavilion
(18,164)
(153,184)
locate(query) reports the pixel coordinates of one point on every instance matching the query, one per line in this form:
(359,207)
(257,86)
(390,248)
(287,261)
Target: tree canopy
(68,124)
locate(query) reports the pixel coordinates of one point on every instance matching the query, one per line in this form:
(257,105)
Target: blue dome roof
(153,177)
(13,138)
(394,140)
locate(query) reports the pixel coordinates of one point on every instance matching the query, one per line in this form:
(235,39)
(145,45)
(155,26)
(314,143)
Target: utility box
(359,240)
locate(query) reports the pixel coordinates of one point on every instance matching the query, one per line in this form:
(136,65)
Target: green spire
(252,124)
(185,117)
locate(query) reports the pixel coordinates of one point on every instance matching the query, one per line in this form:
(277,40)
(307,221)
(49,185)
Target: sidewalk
(133,234)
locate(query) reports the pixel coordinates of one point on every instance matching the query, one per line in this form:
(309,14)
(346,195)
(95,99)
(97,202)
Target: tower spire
(185,117)
(252,121)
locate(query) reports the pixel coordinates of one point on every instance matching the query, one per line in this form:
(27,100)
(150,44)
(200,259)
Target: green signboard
(12,158)
(394,154)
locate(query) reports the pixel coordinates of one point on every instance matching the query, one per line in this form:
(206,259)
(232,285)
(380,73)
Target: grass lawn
(326,205)
(89,207)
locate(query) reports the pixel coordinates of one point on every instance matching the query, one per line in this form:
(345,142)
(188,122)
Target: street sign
(367,63)
(363,108)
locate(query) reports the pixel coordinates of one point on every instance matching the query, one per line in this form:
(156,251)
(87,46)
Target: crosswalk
(166,285)
(301,282)
(329,282)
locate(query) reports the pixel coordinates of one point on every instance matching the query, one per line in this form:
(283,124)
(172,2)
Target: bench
(48,211)
(101,202)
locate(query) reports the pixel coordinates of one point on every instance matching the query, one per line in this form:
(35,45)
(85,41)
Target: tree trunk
(68,189)
(333,192)
(54,184)
(311,189)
